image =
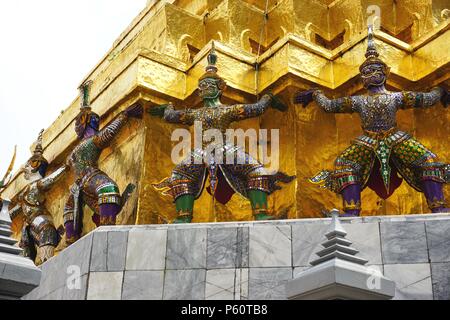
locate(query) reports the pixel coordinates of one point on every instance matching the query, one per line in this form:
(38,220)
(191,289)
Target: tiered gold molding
(160,57)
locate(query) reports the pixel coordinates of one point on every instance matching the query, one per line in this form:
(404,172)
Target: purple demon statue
(93,187)
(374,158)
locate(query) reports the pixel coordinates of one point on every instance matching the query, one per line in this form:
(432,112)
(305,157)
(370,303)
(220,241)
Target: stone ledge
(243,260)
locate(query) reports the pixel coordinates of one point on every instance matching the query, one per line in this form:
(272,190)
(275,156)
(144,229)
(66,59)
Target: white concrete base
(339,279)
(18,276)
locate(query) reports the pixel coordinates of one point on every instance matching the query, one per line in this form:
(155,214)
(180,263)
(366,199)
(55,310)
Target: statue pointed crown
(86,113)
(38,154)
(85,92)
(211,68)
(38,150)
(372,55)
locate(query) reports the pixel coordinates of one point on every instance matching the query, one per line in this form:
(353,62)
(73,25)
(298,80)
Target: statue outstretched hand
(135,110)
(277,103)
(305,97)
(158,111)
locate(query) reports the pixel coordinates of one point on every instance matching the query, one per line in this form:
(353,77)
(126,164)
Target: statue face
(373,76)
(30,168)
(209,88)
(85,120)
(34,166)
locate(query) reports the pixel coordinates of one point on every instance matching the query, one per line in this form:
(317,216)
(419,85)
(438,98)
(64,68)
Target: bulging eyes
(205,85)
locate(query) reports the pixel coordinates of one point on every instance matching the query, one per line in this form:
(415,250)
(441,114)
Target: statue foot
(263,216)
(71,240)
(71,235)
(440,210)
(183,219)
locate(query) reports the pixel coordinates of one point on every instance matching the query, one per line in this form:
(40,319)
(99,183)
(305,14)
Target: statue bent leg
(102,195)
(258,201)
(27,243)
(419,166)
(184,185)
(248,177)
(352,169)
(72,235)
(185,208)
(46,237)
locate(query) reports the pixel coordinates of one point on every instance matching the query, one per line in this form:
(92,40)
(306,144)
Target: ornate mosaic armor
(189,177)
(238,172)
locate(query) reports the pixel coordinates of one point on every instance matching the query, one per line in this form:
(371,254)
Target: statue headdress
(372,56)
(37,160)
(84,117)
(211,68)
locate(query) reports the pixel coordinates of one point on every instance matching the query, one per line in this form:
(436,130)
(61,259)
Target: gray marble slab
(440,275)
(70,293)
(146,249)
(306,241)
(79,293)
(220,284)
(268,283)
(143,285)
(403,242)
(117,250)
(270,246)
(73,260)
(241,284)
(438,237)
(243,247)
(412,281)
(185,284)
(365,237)
(186,249)
(99,251)
(227,248)
(105,286)
(222,248)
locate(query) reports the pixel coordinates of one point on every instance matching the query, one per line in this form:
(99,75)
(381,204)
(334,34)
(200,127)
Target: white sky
(47,47)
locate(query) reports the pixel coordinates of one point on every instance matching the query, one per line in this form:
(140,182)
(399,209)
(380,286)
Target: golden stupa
(279,45)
